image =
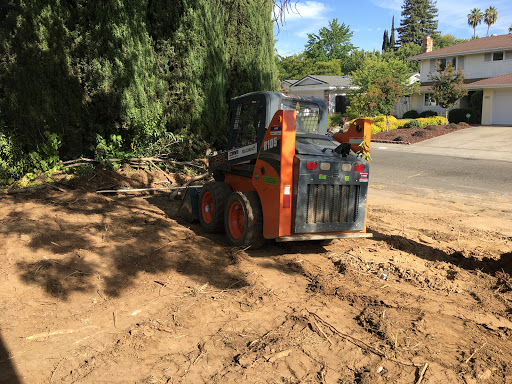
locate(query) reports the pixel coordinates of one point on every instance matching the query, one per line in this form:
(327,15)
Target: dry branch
(160,170)
(422,373)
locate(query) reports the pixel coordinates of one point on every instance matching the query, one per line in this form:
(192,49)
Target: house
(487,65)
(332,89)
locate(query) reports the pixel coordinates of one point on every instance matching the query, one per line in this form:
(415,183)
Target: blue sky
(369,18)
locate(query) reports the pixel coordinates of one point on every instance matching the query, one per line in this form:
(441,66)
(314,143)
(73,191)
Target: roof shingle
(484,44)
(500,81)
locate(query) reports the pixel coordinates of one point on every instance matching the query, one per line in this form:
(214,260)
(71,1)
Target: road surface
(416,171)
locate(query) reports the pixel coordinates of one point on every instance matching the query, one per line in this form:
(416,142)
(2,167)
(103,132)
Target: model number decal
(269,144)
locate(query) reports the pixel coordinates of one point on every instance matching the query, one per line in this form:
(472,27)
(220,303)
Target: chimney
(427,45)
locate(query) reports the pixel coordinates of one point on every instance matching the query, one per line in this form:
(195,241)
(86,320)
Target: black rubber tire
(253,220)
(220,192)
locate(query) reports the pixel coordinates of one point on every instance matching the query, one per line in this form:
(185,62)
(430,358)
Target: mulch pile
(412,136)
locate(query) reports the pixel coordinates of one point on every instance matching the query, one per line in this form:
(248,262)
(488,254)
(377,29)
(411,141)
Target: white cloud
(310,10)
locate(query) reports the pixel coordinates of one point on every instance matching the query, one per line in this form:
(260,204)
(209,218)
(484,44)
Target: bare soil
(116,289)
(411,136)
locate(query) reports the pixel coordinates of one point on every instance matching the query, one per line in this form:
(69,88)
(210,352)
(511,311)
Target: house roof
(484,44)
(333,81)
(494,82)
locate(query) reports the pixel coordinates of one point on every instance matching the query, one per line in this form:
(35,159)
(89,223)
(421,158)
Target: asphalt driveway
(483,142)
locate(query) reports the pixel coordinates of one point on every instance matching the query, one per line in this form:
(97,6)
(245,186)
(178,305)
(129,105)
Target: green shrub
(12,163)
(430,127)
(412,114)
(428,113)
(477,100)
(412,124)
(334,120)
(458,115)
(46,158)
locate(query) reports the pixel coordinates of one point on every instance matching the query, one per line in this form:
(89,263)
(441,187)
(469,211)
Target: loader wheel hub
(236,220)
(207,207)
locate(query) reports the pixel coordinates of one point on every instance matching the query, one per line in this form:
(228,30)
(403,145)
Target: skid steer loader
(282,177)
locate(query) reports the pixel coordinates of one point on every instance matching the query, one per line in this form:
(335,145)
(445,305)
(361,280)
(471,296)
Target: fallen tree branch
(25,190)
(196,178)
(162,171)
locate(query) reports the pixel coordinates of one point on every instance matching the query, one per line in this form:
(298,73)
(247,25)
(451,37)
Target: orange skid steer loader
(282,177)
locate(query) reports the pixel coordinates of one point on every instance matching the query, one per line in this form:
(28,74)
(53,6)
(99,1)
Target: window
(308,114)
(496,56)
(249,119)
(447,61)
(429,100)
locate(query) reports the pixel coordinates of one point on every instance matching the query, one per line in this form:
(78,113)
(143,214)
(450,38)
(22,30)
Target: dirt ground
(119,289)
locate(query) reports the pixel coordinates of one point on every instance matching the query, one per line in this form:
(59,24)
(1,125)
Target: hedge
(458,115)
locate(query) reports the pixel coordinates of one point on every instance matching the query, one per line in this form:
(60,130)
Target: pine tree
(392,42)
(419,19)
(385,41)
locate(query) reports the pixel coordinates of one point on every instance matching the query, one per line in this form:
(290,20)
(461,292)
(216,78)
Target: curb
(391,142)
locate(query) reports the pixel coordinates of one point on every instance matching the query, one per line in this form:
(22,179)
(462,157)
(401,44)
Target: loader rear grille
(332,203)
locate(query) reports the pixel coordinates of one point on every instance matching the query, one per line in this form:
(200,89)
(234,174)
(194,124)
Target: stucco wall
(474,67)
(305,92)
(417,103)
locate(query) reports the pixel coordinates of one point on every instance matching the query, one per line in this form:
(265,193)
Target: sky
(369,18)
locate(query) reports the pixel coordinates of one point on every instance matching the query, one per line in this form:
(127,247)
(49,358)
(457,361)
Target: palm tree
(490,17)
(475,18)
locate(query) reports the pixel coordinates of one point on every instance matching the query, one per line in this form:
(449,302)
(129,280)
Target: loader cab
(250,115)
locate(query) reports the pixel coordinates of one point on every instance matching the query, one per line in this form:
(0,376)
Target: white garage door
(502,107)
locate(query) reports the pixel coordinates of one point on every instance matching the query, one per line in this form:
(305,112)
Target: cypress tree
(130,68)
(392,43)
(385,41)
(418,21)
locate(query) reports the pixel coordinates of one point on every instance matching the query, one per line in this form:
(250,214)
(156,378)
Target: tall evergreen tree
(392,42)
(129,69)
(385,41)
(419,19)
(490,17)
(474,18)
